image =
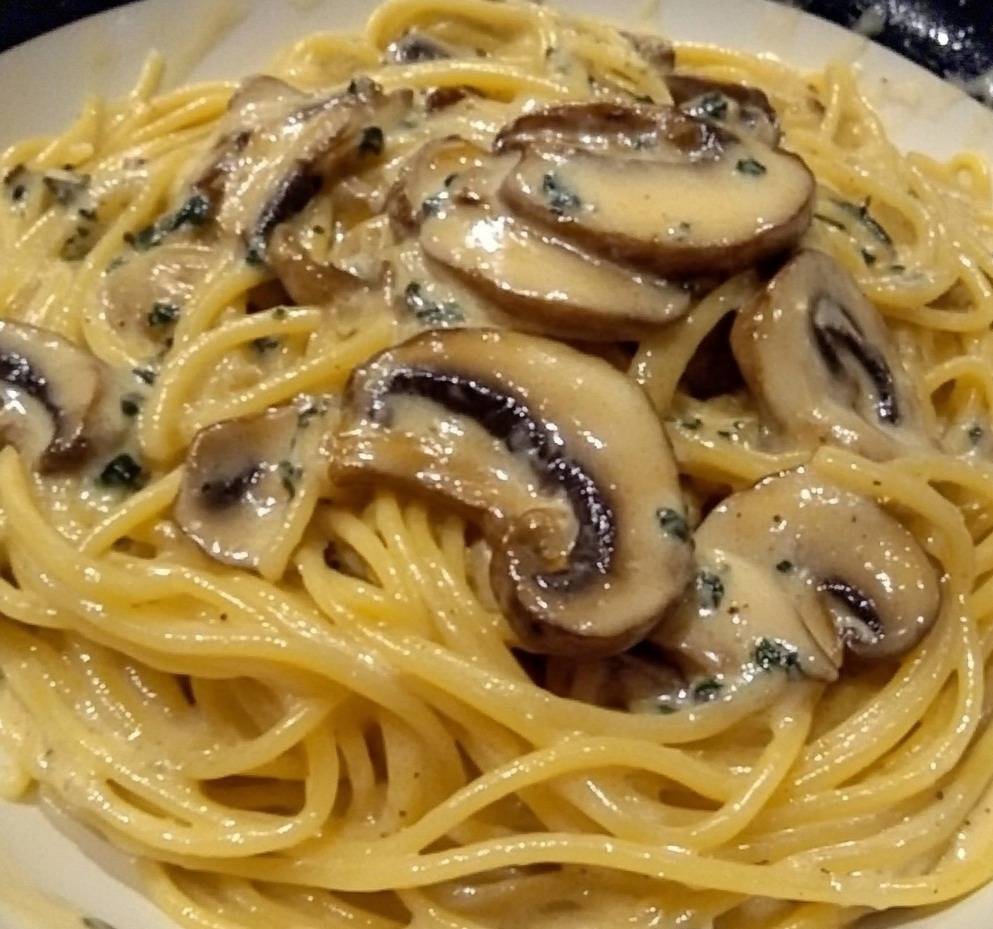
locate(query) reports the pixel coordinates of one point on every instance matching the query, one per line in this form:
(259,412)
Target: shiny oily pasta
(257,635)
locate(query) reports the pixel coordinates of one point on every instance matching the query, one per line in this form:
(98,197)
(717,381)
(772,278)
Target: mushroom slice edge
(590,545)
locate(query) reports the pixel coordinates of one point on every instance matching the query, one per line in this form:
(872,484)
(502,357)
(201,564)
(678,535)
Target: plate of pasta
(478,465)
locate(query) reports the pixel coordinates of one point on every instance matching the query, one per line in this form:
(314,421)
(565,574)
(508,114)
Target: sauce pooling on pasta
(499,470)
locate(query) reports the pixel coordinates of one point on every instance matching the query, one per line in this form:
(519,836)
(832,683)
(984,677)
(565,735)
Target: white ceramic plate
(45,82)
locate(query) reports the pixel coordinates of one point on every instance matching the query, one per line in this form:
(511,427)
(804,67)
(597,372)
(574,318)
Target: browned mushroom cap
(56,406)
(817,356)
(792,573)
(690,200)
(278,145)
(745,110)
(581,499)
(306,280)
(246,485)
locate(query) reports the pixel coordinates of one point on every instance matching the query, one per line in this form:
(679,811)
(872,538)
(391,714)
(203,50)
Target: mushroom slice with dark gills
(248,486)
(277,146)
(791,575)
(745,110)
(686,199)
(57,403)
(561,457)
(817,356)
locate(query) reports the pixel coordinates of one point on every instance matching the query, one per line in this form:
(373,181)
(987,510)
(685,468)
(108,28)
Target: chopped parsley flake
(673,524)
(751,167)
(194,212)
(784,566)
(163,313)
(862,214)
(709,590)
(561,200)
(771,654)
(975,433)
(122,471)
(711,106)
(289,477)
(146,375)
(868,257)
(430,311)
(707,689)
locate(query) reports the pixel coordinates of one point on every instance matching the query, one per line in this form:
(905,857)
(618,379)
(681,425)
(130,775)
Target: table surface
(953,38)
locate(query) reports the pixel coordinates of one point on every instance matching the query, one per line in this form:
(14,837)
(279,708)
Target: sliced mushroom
(580,500)
(143,297)
(545,285)
(745,110)
(58,405)
(635,681)
(306,280)
(817,356)
(693,200)
(424,186)
(277,146)
(611,128)
(791,574)
(246,482)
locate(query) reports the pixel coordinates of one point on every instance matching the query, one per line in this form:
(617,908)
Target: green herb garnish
(862,214)
(561,200)
(289,477)
(673,524)
(194,212)
(122,471)
(771,654)
(784,566)
(751,167)
(707,689)
(712,106)
(163,313)
(145,375)
(709,590)
(430,311)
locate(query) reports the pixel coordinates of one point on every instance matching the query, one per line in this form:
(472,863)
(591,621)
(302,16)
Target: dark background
(950,37)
